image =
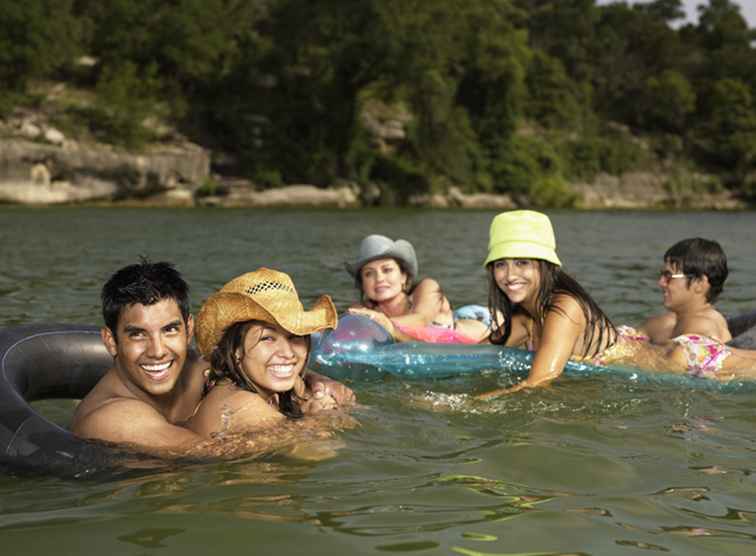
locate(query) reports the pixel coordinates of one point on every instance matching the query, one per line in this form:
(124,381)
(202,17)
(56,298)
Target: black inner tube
(40,362)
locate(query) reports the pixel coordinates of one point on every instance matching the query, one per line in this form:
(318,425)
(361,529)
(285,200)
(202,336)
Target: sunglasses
(666,275)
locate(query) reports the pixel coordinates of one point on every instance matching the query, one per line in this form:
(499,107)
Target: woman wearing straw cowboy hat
(384,272)
(255,333)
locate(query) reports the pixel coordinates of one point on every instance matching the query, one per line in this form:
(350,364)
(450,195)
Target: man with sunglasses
(692,278)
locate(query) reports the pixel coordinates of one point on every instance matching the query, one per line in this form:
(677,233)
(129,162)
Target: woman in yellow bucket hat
(536,305)
(255,333)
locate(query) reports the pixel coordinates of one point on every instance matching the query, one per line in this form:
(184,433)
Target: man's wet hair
(697,257)
(144,283)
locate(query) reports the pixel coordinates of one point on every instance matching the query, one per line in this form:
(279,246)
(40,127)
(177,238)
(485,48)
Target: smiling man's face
(150,346)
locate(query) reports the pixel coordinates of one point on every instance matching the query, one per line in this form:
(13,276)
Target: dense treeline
(519,96)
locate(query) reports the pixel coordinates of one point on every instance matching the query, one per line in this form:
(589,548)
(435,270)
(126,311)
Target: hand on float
(375,316)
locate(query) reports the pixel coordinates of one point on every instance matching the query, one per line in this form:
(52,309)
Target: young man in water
(693,276)
(156,381)
(696,333)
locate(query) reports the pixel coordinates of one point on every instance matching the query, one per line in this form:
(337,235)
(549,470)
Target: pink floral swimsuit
(705,355)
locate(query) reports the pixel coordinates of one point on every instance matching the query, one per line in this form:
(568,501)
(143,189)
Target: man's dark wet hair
(697,257)
(145,283)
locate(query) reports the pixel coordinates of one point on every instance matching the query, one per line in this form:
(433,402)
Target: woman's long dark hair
(225,364)
(553,281)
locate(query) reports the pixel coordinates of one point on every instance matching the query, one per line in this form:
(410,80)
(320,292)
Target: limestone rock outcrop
(67,172)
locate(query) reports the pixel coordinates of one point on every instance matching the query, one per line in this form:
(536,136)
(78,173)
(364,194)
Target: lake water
(595,466)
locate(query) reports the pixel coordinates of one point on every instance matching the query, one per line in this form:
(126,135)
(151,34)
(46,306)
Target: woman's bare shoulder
(228,408)
(568,306)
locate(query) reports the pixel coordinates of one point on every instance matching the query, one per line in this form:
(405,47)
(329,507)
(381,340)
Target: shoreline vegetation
(484,105)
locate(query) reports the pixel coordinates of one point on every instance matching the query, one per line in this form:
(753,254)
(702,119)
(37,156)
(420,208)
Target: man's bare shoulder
(108,389)
(106,421)
(110,412)
(135,423)
(709,323)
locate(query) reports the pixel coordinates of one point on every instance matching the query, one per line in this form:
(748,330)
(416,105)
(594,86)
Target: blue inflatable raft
(362,349)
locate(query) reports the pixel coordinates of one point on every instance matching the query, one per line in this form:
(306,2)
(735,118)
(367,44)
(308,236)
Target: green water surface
(597,466)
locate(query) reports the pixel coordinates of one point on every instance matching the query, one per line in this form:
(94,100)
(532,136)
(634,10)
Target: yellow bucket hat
(522,234)
(265,295)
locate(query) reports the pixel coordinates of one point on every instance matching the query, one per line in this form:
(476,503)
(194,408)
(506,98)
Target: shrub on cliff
(125,99)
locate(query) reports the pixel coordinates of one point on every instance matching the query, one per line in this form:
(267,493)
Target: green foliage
(268,178)
(522,163)
(727,136)
(125,99)
(683,183)
(9,100)
(552,99)
(208,188)
(514,96)
(612,153)
(36,38)
(669,100)
(552,191)
(399,178)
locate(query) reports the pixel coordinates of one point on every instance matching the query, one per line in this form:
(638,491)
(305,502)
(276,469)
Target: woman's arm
(563,327)
(427,302)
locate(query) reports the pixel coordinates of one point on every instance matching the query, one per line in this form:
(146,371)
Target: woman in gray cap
(384,272)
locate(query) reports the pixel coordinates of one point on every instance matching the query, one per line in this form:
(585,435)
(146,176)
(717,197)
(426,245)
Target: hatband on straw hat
(266,295)
(522,234)
(375,246)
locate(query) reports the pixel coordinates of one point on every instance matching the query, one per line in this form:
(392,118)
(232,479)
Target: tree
(552,100)
(667,102)
(36,38)
(726,136)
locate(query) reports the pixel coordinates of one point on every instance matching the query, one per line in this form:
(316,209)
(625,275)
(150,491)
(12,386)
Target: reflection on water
(597,465)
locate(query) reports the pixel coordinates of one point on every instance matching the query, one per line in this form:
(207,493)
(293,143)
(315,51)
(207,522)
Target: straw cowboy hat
(376,246)
(265,295)
(522,234)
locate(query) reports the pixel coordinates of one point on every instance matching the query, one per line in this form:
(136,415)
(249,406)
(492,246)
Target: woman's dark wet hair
(553,280)
(697,257)
(225,364)
(144,283)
